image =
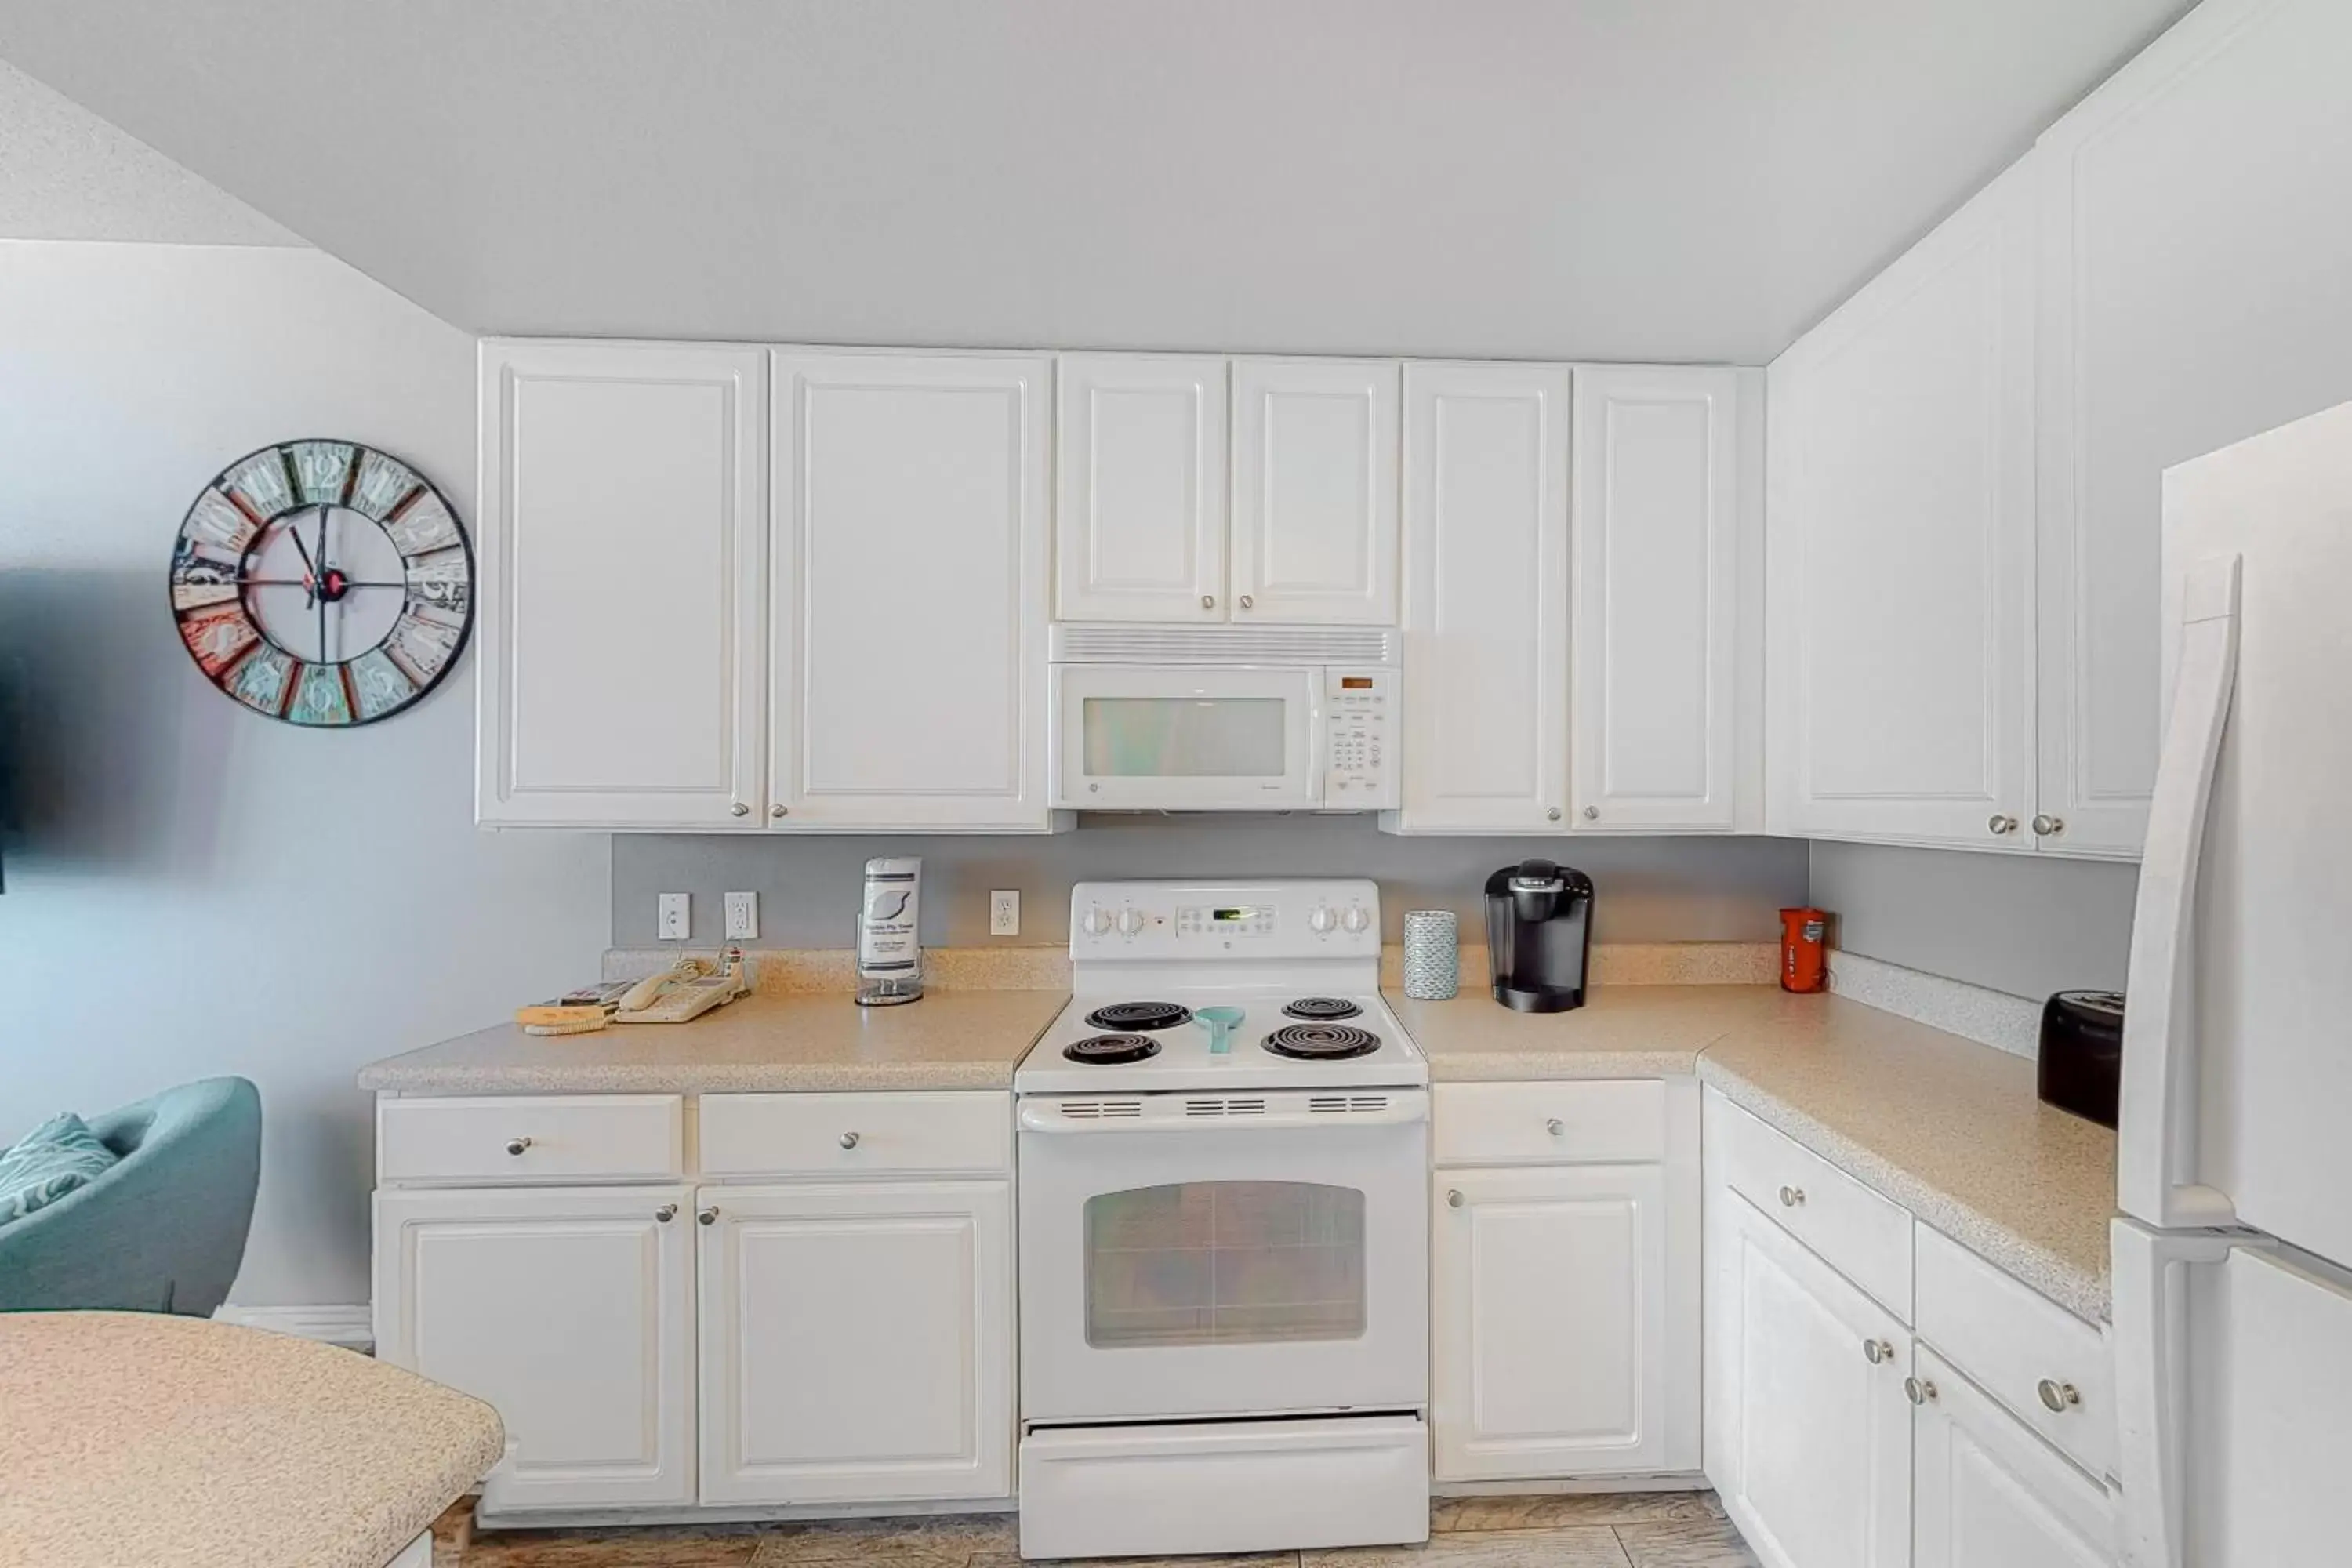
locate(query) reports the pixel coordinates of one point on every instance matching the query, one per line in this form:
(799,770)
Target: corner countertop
(782,1042)
(142,1437)
(1951,1130)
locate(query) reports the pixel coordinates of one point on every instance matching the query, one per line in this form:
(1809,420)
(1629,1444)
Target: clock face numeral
(322,582)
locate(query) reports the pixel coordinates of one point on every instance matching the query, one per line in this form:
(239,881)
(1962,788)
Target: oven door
(1194,1257)
(1185,738)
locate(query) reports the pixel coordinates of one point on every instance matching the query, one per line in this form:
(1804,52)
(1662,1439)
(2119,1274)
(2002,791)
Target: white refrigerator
(2233,1250)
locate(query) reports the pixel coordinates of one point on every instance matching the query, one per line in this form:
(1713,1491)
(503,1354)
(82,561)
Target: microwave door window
(1184,737)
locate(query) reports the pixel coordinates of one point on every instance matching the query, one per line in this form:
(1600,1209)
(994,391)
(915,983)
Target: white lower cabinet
(1987,1493)
(856,1342)
(1547,1313)
(471,1287)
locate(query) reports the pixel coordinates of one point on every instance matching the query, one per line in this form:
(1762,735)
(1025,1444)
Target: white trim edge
(1994,1019)
(353,1328)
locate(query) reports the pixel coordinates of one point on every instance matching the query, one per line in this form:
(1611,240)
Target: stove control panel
(1333,918)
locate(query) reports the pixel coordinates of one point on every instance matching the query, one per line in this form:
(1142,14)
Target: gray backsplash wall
(1647,890)
(2025,925)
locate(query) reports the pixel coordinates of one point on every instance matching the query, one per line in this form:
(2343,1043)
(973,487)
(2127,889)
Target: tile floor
(1635,1530)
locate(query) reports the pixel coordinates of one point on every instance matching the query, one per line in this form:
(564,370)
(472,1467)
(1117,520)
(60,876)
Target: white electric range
(1224,1326)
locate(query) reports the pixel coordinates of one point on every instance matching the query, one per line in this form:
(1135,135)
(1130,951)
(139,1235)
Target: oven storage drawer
(1608,1121)
(534,1138)
(857,1135)
(1224,1487)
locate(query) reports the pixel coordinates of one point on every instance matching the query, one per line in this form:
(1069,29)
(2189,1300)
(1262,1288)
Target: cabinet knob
(707,1217)
(1793,1197)
(1208,601)
(2058,1397)
(1999,824)
(517,1145)
(1877,1351)
(739,809)
(1552,815)
(666,1212)
(2047,826)
(779,809)
(849,1140)
(1248,603)
(1592,813)
(1454,1197)
(1918,1390)
(1555,1126)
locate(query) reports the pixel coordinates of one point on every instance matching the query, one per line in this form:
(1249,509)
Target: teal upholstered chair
(161,1230)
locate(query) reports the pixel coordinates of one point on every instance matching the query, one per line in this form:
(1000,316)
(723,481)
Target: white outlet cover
(742,917)
(1004,912)
(673,916)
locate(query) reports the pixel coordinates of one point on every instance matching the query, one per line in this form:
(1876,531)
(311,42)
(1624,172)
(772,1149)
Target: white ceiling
(1639,179)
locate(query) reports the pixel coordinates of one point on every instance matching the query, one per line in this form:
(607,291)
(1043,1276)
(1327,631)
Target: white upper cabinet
(1139,486)
(1666,529)
(1315,491)
(2195,243)
(908,610)
(622,540)
(1485,598)
(1901,546)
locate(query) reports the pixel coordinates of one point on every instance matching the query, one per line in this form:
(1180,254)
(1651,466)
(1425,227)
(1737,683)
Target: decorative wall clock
(322,582)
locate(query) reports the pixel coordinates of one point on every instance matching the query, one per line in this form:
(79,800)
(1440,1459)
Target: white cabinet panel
(2194,246)
(467,1285)
(910,607)
(1657,568)
(1315,491)
(1901,545)
(1549,1326)
(1989,1494)
(1485,598)
(622,547)
(1139,484)
(858,1342)
(1809,1431)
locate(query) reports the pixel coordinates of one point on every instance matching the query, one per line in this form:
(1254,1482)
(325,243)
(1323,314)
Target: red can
(1804,962)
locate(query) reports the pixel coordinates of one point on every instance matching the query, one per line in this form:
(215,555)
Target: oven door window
(1206,1263)
(1185,737)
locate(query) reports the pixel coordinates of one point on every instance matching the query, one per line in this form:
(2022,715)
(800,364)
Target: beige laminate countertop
(781,1042)
(1951,1130)
(135,1437)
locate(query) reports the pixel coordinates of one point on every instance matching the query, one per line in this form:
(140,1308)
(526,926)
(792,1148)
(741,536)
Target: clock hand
(308,583)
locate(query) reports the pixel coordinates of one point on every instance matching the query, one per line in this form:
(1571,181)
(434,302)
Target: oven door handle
(1109,1115)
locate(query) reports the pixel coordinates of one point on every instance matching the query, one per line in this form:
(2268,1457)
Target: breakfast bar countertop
(778,1042)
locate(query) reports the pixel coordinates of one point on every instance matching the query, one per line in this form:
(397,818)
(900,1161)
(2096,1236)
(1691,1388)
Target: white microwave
(1152,718)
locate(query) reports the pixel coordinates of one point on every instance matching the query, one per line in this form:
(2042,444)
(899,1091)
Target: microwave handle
(1318,759)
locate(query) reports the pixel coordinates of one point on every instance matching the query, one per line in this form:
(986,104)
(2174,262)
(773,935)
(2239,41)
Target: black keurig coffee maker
(1538,935)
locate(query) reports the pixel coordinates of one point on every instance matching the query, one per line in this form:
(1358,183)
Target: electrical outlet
(673,919)
(742,917)
(1004,912)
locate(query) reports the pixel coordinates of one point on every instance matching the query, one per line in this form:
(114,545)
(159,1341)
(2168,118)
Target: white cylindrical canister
(1432,955)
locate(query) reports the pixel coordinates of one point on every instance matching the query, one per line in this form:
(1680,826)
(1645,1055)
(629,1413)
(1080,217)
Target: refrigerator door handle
(2156,1154)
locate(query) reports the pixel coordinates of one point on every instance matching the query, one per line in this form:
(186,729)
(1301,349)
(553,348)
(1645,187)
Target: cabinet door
(1900,524)
(1485,598)
(1658,548)
(621,542)
(1139,487)
(2194,247)
(1987,1493)
(910,600)
(858,1342)
(1549,1323)
(1315,491)
(1810,1439)
(468,1287)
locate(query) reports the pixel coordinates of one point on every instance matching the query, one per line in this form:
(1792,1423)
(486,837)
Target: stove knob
(1097,921)
(1358,917)
(1130,922)
(1322,920)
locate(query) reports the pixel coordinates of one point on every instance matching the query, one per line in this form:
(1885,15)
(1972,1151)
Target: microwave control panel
(1359,768)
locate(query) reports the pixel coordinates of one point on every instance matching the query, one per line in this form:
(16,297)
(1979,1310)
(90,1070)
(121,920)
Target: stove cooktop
(1284,1039)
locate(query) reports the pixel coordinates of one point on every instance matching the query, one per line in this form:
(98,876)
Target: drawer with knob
(1588,1121)
(1863,1235)
(2051,1369)
(856,1134)
(529,1138)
